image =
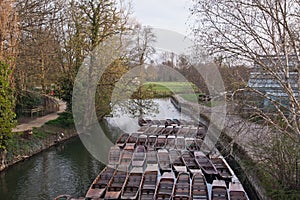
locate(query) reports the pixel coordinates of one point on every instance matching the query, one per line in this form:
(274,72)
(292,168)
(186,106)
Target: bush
(65,119)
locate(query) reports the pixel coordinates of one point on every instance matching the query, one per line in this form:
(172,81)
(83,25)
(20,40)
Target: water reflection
(69,168)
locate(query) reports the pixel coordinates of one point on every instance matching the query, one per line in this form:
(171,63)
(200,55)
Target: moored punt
(219,190)
(199,187)
(132,139)
(100,183)
(223,170)
(167,131)
(142,140)
(160,142)
(149,182)
(132,185)
(170,144)
(115,186)
(165,186)
(205,164)
(121,141)
(201,132)
(177,162)
(183,131)
(152,159)
(190,162)
(237,192)
(176,121)
(191,145)
(180,143)
(164,161)
(114,156)
(182,188)
(139,156)
(151,142)
(170,122)
(126,158)
(144,122)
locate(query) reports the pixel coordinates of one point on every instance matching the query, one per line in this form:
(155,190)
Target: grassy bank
(23,144)
(167,89)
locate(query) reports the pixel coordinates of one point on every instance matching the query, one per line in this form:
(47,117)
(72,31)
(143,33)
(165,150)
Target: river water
(68,168)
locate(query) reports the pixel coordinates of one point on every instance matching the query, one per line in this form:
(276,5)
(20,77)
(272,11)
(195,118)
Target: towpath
(40,121)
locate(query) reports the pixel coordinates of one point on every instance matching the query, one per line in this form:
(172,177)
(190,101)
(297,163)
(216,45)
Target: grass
(166,89)
(65,119)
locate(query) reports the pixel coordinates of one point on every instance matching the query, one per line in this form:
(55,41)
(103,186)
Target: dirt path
(40,121)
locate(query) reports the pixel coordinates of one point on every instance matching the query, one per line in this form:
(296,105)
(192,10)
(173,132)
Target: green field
(169,88)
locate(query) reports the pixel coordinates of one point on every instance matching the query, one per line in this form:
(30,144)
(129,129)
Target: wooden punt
(115,186)
(183,131)
(121,141)
(190,162)
(170,122)
(169,130)
(236,191)
(206,165)
(126,158)
(160,142)
(193,132)
(201,133)
(160,129)
(151,142)
(199,187)
(191,144)
(99,185)
(182,188)
(164,161)
(180,143)
(223,170)
(149,183)
(142,140)
(176,161)
(132,185)
(139,157)
(114,156)
(152,158)
(170,143)
(176,121)
(151,130)
(219,190)
(144,122)
(165,186)
(132,139)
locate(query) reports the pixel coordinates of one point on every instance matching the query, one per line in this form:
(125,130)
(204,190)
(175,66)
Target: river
(68,168)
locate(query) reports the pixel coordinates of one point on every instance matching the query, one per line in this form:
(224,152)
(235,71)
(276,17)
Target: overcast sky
(164,14)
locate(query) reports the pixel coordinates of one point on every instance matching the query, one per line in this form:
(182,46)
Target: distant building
(261,80)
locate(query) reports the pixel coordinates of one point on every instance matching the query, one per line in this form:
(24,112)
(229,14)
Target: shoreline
(43,145)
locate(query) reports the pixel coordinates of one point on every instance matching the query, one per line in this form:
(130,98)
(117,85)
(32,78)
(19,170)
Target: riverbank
(234,141)
(25,144)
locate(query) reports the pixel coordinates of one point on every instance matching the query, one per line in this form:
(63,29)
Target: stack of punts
(160,142)
(236,191)
(219,190)
(139,157)
(190,162)
(114,156)
(149,183)
(164,160)
(205,164)
(151,141)
(182,188)
(116,184)
(170,143)
(199,187)
(132,184)
(165,186)
(223,170)
(166,150)
(121,141)
(99,185)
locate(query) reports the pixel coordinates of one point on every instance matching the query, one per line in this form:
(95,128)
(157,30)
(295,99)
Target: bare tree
(265,34)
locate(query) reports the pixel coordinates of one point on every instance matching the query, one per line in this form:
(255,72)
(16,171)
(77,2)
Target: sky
(169,18)
(164,14)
